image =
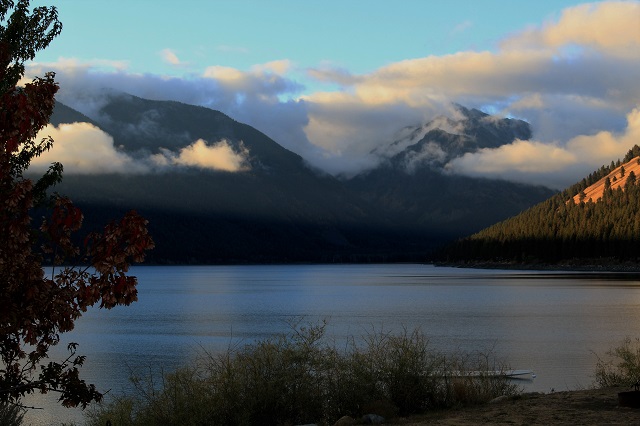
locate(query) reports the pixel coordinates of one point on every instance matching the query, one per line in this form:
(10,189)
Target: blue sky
(333,80)
(360,36)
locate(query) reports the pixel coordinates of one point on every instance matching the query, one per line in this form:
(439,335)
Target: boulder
(345,421)
(372,419)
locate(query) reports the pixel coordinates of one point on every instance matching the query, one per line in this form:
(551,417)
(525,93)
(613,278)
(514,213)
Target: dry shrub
(622,366)
(298,378)
(11,414)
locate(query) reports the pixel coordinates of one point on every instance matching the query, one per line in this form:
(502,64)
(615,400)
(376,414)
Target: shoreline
(573,266)
(598,406)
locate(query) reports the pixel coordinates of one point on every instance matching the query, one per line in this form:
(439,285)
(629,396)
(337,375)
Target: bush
(298,379)
(10,414)
(622,367)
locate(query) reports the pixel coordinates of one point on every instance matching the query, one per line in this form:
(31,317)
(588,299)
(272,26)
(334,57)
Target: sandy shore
(582,407)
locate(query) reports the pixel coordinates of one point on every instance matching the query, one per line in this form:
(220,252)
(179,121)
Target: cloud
(265,81)
(219,156)
(170,57)
(573,76)
(610,26)
(553,165)
(346,133)
(84,149)
(604,146)
(429,153)
(462,27)
(262,97)
(331,74)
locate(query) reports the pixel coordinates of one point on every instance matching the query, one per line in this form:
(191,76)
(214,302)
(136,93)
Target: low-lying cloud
(574,79)
(219,156)
(85,149)
(549,164)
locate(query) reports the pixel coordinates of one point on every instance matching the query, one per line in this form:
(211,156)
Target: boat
(519,374)
(510,374)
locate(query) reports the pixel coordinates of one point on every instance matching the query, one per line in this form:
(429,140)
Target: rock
(629,399)
(372,419)
(345,421)
(498,399)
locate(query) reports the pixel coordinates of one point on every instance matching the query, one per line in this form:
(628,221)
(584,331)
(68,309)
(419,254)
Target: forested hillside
(569,227)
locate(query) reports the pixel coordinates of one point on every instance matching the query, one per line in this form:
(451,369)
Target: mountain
(442,139)
(276,209)
(594,222)
(412,182)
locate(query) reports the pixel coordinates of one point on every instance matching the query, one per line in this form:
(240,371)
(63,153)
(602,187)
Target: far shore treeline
(604,232)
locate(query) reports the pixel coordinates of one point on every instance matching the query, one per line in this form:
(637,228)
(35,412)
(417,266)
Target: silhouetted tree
(34,308)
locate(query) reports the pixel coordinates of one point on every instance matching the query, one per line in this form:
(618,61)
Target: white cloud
(255,98)
(613,27)
(219,156)
(430,153)
(547,164)
(170,57)
(264,82)
(84,149)
(605,146)
(462,27)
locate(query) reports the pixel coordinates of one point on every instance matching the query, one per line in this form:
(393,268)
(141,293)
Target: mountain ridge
(278,209)
(617,178)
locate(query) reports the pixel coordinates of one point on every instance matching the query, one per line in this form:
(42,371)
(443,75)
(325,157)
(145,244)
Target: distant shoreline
(574,265)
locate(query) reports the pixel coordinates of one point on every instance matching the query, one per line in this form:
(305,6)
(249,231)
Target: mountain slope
(412,182)
(617,177)
(564,228)
(278,210)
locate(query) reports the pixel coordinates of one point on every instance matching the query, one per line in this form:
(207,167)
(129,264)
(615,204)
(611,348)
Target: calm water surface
(549,322)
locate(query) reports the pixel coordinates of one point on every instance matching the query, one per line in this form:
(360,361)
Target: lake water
(548,322)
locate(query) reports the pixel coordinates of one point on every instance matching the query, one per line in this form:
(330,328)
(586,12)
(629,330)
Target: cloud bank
(574,79)
(549,164)
(84,149)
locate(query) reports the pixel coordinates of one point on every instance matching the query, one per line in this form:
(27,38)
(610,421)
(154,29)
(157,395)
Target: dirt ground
(582,407)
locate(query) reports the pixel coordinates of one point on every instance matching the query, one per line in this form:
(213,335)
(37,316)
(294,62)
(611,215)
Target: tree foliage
(36,308)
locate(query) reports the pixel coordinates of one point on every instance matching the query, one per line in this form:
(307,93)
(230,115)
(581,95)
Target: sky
(334,80)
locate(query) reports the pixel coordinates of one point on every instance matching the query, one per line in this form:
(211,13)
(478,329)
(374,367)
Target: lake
(550,322)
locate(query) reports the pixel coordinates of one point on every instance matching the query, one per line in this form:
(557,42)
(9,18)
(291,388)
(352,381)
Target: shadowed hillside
(276,209)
